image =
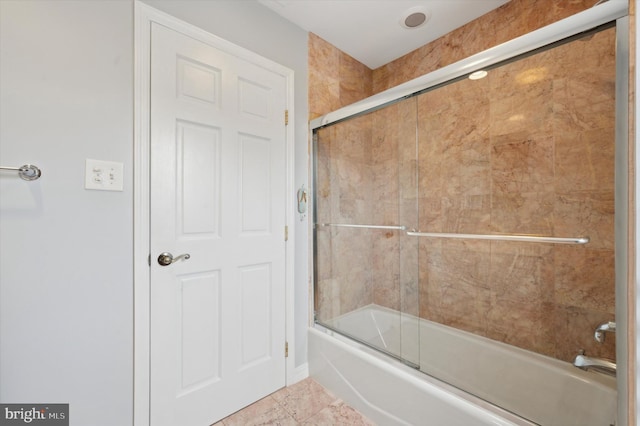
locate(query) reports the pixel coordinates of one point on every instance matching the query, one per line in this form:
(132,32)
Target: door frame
(144,15)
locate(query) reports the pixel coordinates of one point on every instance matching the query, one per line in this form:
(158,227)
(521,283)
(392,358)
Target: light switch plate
(104,175)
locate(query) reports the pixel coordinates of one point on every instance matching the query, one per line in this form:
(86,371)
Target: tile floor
(304,403)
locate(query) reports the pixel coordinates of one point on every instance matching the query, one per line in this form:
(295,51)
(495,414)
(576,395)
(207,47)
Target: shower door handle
(166,258)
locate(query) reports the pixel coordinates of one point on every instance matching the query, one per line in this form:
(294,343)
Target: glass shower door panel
(402,121)
(528,150)
(361,287)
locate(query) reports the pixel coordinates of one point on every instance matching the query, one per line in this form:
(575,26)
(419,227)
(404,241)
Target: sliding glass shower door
(366,198)
(479,216)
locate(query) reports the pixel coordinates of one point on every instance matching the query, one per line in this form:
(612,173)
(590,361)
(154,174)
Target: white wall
(66,253)
(66,274)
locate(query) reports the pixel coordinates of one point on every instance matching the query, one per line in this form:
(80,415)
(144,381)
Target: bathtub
(543,390)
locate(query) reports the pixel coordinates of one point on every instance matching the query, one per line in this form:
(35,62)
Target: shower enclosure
(483,204)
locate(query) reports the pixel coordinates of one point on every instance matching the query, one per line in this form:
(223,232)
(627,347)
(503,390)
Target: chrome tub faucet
(601,365)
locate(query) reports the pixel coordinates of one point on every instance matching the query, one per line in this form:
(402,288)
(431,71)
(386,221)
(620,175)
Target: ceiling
(372,31)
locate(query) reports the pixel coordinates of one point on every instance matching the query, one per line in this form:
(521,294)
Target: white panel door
(217,194)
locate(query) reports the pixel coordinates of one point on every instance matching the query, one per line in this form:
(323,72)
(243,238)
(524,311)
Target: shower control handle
(166,258)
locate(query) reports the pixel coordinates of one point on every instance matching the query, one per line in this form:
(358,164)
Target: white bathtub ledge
(391,393)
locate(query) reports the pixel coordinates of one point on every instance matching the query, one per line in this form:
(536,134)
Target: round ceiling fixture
(414,18)
(478,75)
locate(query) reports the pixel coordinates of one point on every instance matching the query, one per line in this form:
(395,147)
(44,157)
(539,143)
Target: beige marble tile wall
(335,78)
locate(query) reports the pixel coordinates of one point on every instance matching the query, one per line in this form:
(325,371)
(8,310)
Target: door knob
(166,258)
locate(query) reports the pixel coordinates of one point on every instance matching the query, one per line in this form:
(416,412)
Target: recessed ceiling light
(478,75)
(414,17)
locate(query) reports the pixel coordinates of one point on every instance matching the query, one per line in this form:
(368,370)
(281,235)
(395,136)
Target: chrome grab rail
(346,225)
(26,172)
(497,237)
(494,237)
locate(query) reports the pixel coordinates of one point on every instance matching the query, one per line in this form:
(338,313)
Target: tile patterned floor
(304,403)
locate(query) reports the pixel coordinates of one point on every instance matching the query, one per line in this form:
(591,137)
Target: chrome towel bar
(494,237)
(26,172)
(346,225)
(497,237)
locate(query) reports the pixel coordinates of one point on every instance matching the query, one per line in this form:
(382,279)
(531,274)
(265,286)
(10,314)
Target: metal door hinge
(149,260)
(286,233)
(286,349)
(286,117)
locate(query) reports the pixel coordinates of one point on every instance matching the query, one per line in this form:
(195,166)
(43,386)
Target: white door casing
(247,161)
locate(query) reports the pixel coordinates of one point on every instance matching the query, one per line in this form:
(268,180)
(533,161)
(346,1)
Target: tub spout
(602,329)
(601,365)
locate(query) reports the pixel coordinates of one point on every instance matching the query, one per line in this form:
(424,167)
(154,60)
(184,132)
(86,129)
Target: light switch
(104,175)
